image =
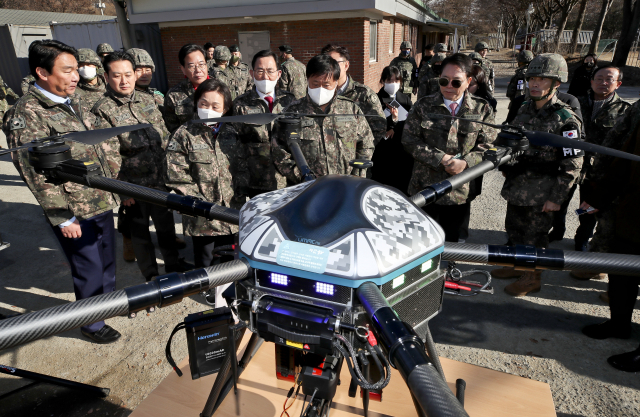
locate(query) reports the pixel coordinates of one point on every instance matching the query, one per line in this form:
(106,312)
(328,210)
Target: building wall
(305,37)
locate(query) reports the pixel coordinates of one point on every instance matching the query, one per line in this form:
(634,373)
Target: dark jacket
(581,81)
(392,165)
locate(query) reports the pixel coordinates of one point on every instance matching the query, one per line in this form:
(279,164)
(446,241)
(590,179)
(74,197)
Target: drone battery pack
(207,340)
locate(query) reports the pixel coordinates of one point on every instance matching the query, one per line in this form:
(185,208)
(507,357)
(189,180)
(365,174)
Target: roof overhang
(445,27)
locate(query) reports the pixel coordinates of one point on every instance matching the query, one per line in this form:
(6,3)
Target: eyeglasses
(201,66)
(605,80)
(445,82)
(261,72)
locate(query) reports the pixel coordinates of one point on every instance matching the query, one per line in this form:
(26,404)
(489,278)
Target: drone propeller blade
(93,137)
(254,119)
(447,116)
(550,139)
(6,151)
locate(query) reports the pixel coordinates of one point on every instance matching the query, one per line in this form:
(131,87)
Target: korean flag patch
(573,134)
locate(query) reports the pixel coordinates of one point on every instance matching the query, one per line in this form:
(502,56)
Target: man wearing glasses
(442,146)
(257,173)
(178,103)
(364,96)
(602,108)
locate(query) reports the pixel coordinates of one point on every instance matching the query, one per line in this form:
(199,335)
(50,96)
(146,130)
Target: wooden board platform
(488,393)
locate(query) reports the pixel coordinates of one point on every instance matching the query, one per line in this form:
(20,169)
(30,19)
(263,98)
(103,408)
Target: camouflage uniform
(407,66)
(5,91)
(198,163)
(141,152)
(91,93)
(518,84)
(26,83)
(226,75)
(143,59)
(36,116)
(244,80)
(369,103)
(429,79)
(541,174)
(429,138)
(294,77)
(611,126)
(254,143)
(178,105)
(328,143)
(487,66)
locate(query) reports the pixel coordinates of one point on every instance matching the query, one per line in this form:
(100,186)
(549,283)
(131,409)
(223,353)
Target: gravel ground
(535,337)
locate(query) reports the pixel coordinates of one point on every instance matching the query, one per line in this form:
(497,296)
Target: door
(251,43)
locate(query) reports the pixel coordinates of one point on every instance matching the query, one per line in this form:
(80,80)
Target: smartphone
(394,104)
(582,211)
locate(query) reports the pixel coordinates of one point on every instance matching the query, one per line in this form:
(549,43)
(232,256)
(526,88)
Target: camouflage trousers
(528,225)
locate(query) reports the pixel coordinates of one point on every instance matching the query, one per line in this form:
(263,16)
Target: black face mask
(437,68)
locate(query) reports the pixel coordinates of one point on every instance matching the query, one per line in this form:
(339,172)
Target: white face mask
(208,114)
(320,96)
(265,86)
(391,88)
(88,73)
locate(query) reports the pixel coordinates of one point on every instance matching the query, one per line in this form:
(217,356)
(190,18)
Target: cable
(354,369)
(284,406)
(167,349)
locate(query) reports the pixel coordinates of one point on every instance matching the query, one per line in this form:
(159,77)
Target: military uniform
(26,83)
(140,157)
(328,143)
(407,66)
(178,105)
(143,59)
(91,93)
(518,85)
(294,77)
(428,79)
(369,103)
(227,77)
(37,116)
(255,161)
(244,80)
(487,66)
(542,173)
(5,91)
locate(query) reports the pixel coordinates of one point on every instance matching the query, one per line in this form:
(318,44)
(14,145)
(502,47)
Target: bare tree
(630,22)
(578,26)
(61,6)
(597,32)
(565,6)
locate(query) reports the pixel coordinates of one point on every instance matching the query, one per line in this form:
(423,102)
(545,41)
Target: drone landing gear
(38,378)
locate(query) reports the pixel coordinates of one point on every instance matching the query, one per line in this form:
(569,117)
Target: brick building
(372,30)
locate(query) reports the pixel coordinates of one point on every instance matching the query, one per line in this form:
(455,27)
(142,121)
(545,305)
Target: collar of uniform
(346,87)
(262,96)
(49,98)
(97,87)
(120,99)
(187,86)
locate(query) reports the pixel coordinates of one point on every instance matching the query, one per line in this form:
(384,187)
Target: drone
(336,269)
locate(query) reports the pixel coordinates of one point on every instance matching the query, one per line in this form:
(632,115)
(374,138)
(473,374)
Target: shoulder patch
(17,123)
(563,113)
(149,108)
(172,146)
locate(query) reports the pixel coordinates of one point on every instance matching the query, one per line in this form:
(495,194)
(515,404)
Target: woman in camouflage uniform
(200,162)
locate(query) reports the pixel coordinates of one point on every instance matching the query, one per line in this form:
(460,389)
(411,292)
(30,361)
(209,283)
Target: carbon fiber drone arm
(162,291)
(530,257)
(406,351)
(183,204)
(435,191)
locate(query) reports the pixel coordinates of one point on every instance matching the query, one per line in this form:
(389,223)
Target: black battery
(207,340)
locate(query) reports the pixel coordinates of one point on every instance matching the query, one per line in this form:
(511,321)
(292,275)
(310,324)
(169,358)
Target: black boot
(556,235)
(606,330)
(628,362)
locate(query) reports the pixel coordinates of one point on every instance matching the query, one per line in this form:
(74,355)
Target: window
(373,41)
(392,35)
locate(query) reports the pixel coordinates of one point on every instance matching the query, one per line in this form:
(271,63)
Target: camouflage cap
(221,53)
(441,47)
(142,58)
(525,56)
(548,66)
(476,56)
(88,56)
(439,57)
(104,48)
(480,46)
(405,45)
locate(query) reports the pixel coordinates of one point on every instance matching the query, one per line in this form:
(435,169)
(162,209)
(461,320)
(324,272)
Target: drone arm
(184,204)
(406,351)
(162,291)
(529,257)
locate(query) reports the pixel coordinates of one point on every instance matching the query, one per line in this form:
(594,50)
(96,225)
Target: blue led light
(279,279)
(323,288)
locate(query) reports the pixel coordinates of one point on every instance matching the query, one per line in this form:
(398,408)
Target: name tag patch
(122,117)
(472,116)
(149,108)
(345,119)
(199,146)
(254,110)
(57,117)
